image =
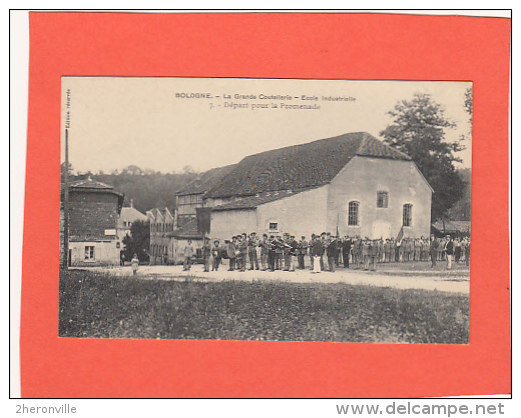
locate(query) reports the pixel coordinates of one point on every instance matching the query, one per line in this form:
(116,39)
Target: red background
(316,46)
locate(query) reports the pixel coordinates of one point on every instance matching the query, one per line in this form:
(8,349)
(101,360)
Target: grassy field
(95,305)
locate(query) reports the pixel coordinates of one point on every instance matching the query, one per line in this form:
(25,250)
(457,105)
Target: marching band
(325,252)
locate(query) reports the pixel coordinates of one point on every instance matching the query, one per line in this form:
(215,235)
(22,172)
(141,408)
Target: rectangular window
(407,214)
(382,199)
(274,226)
(89,253)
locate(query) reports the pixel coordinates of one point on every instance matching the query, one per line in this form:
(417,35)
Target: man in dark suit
(331,251)
(302,252)
(346,250)
(232,253)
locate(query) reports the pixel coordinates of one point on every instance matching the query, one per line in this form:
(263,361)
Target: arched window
(353,215)
(407,214)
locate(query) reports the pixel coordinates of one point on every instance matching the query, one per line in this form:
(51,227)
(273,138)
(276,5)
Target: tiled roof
(92,186)
(453,226)
(251,202)
(206,180)
(300,167)
(188,230)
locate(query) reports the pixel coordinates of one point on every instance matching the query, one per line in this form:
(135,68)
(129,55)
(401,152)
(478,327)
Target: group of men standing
(325,252)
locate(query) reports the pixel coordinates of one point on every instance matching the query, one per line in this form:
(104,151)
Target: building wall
(90,214)
(159,246)
(126,218)
(174,248)
(360,180)
(178,245)
(105,254)
(187,204)
(161,225)
(300,214)
(225,224)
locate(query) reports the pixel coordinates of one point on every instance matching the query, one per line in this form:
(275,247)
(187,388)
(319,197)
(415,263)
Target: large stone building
(353,184)
(94,209)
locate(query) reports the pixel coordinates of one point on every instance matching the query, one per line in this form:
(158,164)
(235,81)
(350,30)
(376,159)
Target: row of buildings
(352,184)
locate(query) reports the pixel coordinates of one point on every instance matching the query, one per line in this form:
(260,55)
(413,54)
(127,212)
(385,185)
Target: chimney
(132,203)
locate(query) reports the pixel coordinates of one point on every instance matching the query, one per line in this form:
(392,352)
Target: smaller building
(127,217)
(179,240)
(94,209)
(162,224)
(192,196)
(442,228)
(169,234)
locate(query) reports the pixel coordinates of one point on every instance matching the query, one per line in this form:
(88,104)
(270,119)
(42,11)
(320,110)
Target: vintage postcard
(265,209)
(266,205)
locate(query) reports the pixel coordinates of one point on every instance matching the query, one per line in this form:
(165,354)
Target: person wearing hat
(206,252)
(217,254)
(302,251)
(188,254)
(232,253)
(331,252)
(346,250)
(252,251)
(264,246)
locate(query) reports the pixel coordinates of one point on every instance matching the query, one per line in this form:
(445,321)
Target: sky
(165,124)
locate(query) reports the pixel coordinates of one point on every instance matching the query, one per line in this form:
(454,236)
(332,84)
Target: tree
(187,169)
(461,209)
(468,103)
(138,242)
(418,129)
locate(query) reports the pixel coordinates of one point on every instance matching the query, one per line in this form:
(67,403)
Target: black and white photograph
(265,209)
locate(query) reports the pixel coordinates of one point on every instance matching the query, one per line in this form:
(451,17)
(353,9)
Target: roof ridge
(299,166)
(287,147)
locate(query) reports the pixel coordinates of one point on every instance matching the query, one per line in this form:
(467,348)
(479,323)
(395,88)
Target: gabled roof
(206,181)
(159,215)
(300,167)
(251,202)
(131,214)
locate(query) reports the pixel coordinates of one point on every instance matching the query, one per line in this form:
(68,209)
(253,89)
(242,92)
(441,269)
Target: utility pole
(66,205)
